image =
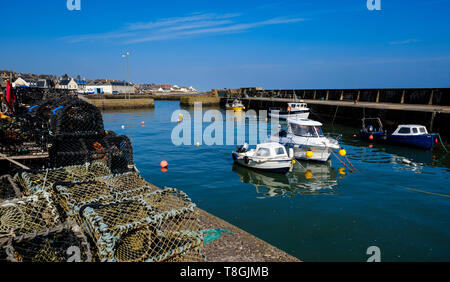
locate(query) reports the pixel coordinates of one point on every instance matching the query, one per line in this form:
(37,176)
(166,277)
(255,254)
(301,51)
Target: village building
(69,84)
(109,87)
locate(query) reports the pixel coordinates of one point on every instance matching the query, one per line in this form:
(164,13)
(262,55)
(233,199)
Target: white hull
(320,154)
(267,165)
(319,146)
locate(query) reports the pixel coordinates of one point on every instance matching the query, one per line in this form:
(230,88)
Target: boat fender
(291,153)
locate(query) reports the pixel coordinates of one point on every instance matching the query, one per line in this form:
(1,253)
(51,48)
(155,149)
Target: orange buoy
(143,123)
(164,164)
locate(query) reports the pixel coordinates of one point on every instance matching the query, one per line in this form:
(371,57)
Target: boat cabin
(410,129)
(297,106)
(270,150)
(305,127)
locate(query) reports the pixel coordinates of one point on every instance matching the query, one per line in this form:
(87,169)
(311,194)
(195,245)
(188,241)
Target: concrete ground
(239,246)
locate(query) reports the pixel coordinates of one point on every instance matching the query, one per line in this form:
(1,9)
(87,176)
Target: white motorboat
(306,137)
(267,156)
(298,110)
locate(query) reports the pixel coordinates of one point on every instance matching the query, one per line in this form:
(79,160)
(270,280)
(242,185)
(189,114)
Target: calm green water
(318,212)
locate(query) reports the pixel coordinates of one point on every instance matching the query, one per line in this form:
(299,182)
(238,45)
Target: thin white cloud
(216,30)
(179,20)
(404,42)
(179,27)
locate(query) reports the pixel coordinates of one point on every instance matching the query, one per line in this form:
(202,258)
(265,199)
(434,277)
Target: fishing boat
(299,110)
(271,157)
(410,135)
(307,139)
(234,105)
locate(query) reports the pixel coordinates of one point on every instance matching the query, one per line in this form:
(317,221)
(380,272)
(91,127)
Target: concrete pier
(120,104)
(435,114)
(239,246)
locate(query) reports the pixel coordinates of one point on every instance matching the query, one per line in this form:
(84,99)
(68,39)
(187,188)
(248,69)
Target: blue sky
(231,44)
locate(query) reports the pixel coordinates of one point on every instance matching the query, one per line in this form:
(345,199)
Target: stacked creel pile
(43,180)
(124,218)
(65,242)
(23,134)
(28,215)
(78,136)
(70,118)
(90,204)
(114,151)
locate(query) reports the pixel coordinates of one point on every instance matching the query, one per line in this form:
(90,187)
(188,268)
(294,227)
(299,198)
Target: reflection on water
(306,178)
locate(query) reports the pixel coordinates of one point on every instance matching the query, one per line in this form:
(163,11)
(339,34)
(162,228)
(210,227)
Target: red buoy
(164,164)
(371,137)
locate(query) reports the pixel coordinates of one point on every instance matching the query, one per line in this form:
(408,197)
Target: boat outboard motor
(243,148)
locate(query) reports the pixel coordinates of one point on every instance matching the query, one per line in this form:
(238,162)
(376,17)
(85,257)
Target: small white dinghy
(267,157)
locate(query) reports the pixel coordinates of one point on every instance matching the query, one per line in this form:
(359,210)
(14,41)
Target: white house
(20,82)
(67,84)
(110,87)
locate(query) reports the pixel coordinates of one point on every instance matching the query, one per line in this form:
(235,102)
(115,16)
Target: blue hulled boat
(411,135)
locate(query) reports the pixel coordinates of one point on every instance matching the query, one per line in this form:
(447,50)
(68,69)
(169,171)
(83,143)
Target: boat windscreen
(306,131)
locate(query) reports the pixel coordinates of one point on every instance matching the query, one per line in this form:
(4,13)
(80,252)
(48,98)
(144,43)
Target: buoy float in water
(143,123)
(341,170)
(342,152)
(370,146)
(164,164)
(371,137)
(308,174)
(309,154)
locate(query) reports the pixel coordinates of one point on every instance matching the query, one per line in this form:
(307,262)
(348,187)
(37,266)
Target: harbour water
(398,201)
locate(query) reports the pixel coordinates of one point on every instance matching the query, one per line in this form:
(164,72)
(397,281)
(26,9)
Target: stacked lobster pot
(124,218)
(90,204)
(129,220)
(32,230)
(78,136)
